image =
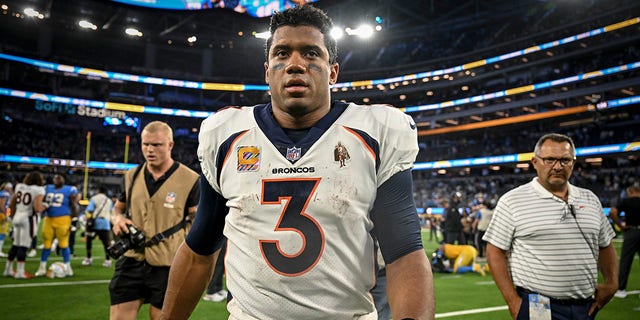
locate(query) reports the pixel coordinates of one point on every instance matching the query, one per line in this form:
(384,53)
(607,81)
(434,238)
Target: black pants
(481,245)
(105,238)
(451,237)
(630,246)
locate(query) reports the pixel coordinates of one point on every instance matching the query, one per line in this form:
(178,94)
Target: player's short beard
(298,110)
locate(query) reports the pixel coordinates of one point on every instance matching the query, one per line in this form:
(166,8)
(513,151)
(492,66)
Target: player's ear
(266,72)
(333,73)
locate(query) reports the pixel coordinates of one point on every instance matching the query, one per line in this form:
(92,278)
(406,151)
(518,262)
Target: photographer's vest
(158,213)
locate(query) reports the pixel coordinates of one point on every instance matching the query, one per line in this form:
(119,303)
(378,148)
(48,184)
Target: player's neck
(293,120)
(159,171)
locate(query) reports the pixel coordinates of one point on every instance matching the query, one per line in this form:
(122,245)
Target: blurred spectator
(483,217)
(453,225)
(630,205)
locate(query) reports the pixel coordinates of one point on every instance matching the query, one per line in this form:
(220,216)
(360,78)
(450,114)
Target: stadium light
(87,25)
(363,31)
(262,35)
(30,12)
(133,32)
(337,33)
(192,39)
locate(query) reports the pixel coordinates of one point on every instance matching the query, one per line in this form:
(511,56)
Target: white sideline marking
(630,292)
(52,284)
(471,311)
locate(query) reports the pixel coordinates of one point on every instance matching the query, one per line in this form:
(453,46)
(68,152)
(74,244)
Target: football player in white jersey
(26,203)
(302,188)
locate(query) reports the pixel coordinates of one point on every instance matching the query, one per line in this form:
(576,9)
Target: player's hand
(604,293)
(514,307)
(120,225)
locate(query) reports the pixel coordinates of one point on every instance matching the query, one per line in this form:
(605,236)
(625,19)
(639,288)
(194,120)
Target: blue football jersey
(59,200)
(4,194)
(299,212)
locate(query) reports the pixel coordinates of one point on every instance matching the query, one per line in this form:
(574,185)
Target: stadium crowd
(29,133)
(497,34)
(607,178)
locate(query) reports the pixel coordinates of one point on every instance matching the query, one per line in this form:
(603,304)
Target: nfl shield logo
(169,200)
(293,153)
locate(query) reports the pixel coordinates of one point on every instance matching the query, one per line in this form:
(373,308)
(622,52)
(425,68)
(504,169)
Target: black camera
(132,240)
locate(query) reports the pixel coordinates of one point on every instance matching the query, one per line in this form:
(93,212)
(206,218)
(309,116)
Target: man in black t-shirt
(453,225)
(631,227)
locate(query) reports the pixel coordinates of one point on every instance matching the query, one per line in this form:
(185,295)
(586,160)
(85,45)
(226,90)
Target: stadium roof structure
(440,87)
(404,18)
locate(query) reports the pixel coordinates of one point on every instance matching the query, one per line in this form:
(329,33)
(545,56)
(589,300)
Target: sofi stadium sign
(68,108)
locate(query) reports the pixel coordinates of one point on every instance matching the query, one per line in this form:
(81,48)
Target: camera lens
(133,240)
(119,248)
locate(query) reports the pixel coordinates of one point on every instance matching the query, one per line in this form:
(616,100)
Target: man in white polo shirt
(547,240)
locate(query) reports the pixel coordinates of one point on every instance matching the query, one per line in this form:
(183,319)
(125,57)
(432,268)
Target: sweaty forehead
(552,148)
(298,36)
(154,137)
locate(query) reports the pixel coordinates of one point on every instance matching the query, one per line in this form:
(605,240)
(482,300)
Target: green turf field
(85,295)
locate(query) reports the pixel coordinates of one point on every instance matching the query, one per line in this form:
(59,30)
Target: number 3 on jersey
(296,193)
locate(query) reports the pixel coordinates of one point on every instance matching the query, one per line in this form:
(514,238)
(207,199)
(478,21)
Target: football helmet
(56,270)
(437,261)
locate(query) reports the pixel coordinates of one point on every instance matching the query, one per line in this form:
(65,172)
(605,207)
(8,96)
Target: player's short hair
(155,126)
(101,189)
(61,175)
(305,15)
(555,137)
(6,185)
(34,179)
(633,188)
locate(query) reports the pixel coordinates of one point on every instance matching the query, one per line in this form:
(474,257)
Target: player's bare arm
(187,280)
(410,287)
(38,204)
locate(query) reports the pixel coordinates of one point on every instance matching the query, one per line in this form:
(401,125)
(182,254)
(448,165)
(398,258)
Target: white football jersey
(25,196)
(298,228)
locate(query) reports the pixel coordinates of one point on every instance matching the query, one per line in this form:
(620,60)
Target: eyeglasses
(549,161)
